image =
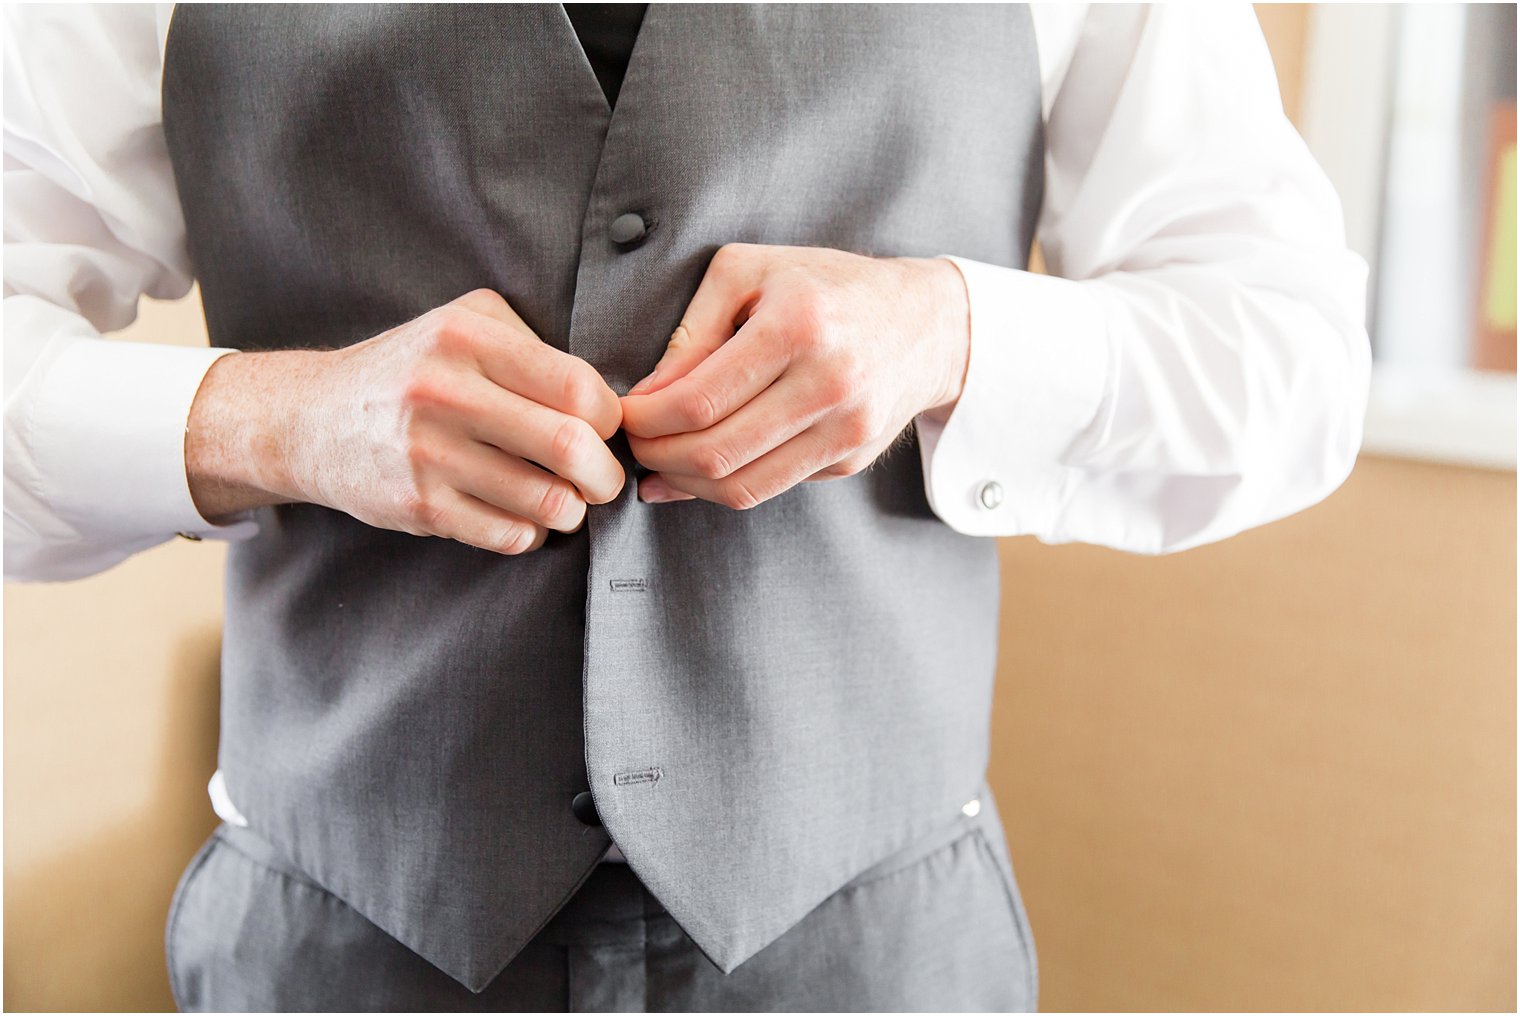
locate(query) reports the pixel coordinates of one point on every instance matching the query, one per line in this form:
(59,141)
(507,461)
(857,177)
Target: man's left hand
(793,364)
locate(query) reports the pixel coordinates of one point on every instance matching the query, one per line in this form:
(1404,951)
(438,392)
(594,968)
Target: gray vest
(762,703)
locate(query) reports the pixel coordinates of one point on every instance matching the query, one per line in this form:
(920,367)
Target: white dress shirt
(1196,363)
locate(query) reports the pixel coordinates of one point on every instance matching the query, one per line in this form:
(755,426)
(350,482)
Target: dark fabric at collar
(607,33)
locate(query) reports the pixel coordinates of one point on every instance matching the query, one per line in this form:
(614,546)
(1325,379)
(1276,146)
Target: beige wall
(1286,28)
(110,737)
(1273,773)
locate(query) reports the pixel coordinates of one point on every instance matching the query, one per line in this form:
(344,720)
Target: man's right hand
(460,423)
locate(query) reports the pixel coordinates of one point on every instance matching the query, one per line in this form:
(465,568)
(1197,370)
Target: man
(700,340)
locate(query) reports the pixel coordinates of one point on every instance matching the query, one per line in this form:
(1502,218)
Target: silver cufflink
(990,494)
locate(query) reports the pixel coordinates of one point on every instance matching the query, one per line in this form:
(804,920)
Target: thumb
(711,317)
(682,353)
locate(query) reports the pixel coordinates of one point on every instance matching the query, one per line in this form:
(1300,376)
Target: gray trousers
(939,926)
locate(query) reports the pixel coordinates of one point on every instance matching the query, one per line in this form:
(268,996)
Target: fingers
(773,473)
(563,444)
(493,305)
(552,378)
(507,482)
(511,355)
(779,413)
(683,352)
(530,402)
(557,380)
(654,490)
(716,311)
(458,516)
(731,376)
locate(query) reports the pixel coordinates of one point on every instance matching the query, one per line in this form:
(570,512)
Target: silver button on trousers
(939,925)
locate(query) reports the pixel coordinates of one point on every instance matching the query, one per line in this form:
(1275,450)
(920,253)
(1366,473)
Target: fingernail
(645,383)
(653,491)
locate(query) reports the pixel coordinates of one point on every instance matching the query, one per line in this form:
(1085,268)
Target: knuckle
(808,323)
(452,330)
(853,375)
(697,407)
(851,465)
(421,456)
(516,538)
(427,511)
(738,495)
(729,255)
(710,463)
(835,388)
(579,392)
(407,514)
(568,442)
(483,296)
(856,428)
(423,392)
(552,503)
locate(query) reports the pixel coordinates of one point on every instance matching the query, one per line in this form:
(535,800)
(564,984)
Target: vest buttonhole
(636,585)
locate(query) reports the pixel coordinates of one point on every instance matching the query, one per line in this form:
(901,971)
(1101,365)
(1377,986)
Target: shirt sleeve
(1197,363)
(94,428)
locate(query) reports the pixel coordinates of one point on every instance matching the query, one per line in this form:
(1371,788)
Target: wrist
(239,452)
(948,328)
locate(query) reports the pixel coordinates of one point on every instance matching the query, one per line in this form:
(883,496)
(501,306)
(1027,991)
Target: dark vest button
(628,228)
(584,807)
